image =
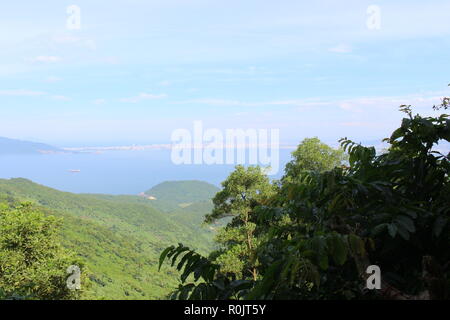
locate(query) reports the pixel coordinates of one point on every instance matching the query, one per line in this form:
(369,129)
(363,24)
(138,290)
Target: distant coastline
(15,147)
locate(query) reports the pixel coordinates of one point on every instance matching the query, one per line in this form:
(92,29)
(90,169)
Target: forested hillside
(118,237)
(185,201)
(183,192)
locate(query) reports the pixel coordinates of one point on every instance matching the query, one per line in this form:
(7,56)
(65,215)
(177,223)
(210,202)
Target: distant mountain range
(13,146)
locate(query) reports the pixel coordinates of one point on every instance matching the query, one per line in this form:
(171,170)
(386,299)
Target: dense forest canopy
(116,238)
(33,263)
(312,234)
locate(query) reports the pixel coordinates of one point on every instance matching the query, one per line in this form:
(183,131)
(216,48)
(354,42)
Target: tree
(313,155)
(33,265)
(322,229)
(445,103)
(242,191)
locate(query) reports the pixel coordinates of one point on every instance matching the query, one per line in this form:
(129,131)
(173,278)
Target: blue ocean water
(112,172)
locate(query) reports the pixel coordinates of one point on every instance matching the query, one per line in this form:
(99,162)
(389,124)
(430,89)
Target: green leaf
(379,229)
(183,260)
(392,228)
(439,225)
(323,261)
(406,222)
(163,255)
(178,252)
(269,279)
(339,250)
(397,134)
(403,233)
(356,244)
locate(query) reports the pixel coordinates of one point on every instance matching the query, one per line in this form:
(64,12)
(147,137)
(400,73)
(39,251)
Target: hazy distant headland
(13,146)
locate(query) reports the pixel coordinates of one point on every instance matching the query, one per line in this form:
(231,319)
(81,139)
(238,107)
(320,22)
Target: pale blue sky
(137,70)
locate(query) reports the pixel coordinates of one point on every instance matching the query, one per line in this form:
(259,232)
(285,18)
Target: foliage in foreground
(315,237)
(33,265)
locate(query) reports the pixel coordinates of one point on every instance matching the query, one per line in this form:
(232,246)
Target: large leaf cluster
(322,229)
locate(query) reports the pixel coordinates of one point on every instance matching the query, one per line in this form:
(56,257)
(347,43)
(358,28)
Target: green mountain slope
(183,192)
(12,146)
(186,201)
(120,237)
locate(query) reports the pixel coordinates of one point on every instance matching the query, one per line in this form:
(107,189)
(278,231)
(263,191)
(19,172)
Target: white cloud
(238,103)
(52,79)
(110,60)
(341,48)
(99,101)
(349,106)
(220,102)
(61,98)
(143,96)
(21,92)
(374,103)
(66,39)
(363,124)
(31,93)
(46,59)
(353,105)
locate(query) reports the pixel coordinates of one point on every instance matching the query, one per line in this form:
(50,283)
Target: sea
(114,172)
(123,171)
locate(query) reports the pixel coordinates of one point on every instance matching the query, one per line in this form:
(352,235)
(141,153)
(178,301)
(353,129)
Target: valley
(120,237)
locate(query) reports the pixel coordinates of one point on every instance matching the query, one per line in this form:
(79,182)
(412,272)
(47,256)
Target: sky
(132,72)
